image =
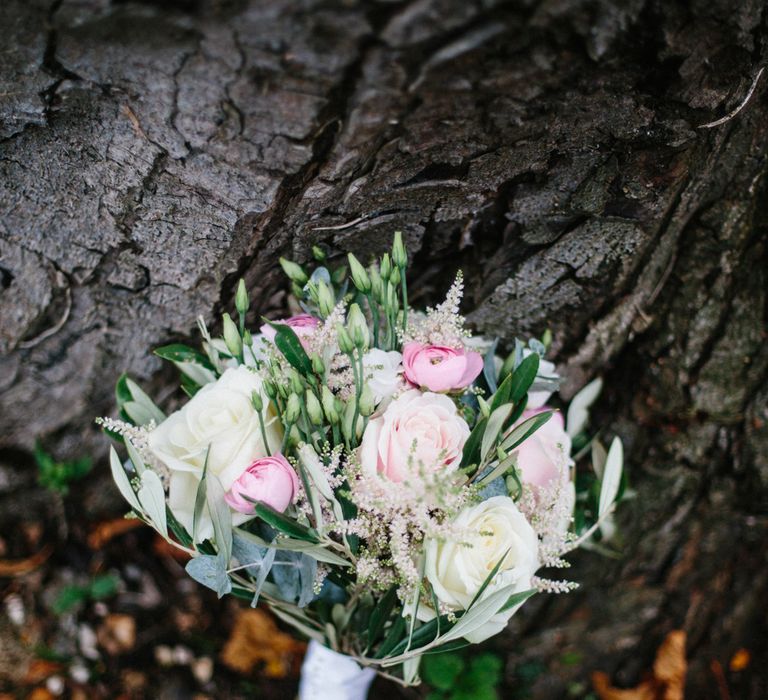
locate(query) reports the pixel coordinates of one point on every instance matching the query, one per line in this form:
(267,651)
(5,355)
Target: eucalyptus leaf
(122,481)
(302,624)
(489,366)
(523,431)
(517,599)
(294,574)
(611,476)
(135,457)
(578,410)
(599,455)
(317,551)
(284,524)
(523,377)
(221,516)
(183,354)
(199,375)
(480,613)
(141,398)
(493,429)
(152,498)
(211,571)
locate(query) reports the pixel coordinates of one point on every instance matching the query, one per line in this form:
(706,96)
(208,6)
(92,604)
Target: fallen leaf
(667,681)
(256,640)
(109,529)
(740,660)
(117,634)
(19,567)
(39,670)
(41,694)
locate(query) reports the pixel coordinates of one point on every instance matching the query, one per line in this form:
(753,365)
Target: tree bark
(152,153)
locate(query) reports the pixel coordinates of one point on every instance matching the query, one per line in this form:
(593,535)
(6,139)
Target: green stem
(264,433)
(374,307)
(405,299)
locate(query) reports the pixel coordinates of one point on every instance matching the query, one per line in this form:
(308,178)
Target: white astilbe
(443,325)
(394,519)
(138,436)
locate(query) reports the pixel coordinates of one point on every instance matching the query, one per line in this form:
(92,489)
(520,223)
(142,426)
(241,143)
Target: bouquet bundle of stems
(378,477)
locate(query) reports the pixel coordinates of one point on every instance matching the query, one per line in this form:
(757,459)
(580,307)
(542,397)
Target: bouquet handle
(328,675)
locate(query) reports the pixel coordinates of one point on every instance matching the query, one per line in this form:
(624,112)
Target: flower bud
(329,406)
(386,267)
(318,253)
(366,401)
(325,299)
(247,338)
(318,366)
(360,277)
(358,327)
(399,254)
(314,409)
(349,416)
(485,409)
(297,290)
(296,384)
(232,336)
(395,277)
(346,344)
(292,409)
(257,401)
(270,389)
(377,286)
(241,298)
(294,272)
(392,298)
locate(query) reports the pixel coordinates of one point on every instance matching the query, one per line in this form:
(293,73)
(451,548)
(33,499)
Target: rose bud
(269,480)
(439,368)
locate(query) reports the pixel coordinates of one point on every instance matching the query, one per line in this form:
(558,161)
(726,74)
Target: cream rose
(220,415)
(417,430)
(457,570)
(383,373)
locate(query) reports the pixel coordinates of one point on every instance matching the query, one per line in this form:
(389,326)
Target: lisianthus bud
(295,272)
(359,276)
(349,416)
(346,344)
(232,336)
(367,403)
(329,406)
(394,277)
(358,327)
(270,389)
(314,409)
(318,253)
(377,286)
(485,409)
(257,401)
(386,267)
(241,298)
(296,384)
(399,254)
(325,300)
(392,298)
(297,290)
(318,366)
(292,409)
(247,338)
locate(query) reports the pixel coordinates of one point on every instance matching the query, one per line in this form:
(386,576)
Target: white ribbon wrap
(328,675)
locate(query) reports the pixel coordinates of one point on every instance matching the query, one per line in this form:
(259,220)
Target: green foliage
(454,676)
(98,588)
(57,476)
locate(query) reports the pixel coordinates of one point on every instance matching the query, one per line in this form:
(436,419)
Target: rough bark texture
(152,153)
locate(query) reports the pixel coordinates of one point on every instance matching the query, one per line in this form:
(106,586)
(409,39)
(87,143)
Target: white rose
(383,373)
(457,570)
(221,415)
(417,430)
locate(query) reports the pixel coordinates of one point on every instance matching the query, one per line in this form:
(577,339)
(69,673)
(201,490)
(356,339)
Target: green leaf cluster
(455,676)
(57,475)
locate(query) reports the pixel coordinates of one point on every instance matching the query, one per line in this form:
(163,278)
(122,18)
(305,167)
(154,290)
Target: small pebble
(55,685)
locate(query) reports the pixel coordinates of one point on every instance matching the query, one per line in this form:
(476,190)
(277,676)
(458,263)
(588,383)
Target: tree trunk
(151,154)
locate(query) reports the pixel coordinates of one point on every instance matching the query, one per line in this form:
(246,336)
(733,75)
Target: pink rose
(303,326)
(439,368)
(416,429)
(269,480)
(545,455)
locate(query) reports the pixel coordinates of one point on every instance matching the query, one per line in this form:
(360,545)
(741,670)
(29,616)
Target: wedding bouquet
(374,474)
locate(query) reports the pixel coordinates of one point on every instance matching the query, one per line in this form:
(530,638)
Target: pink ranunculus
(270,480)
(418,430)
(545,455)
(439,368)
(303,326)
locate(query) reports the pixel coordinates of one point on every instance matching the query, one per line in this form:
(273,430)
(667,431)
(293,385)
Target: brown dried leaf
(19,567)
(39,670)
(105,531)
(740,660)
(667,681)
(256,640)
